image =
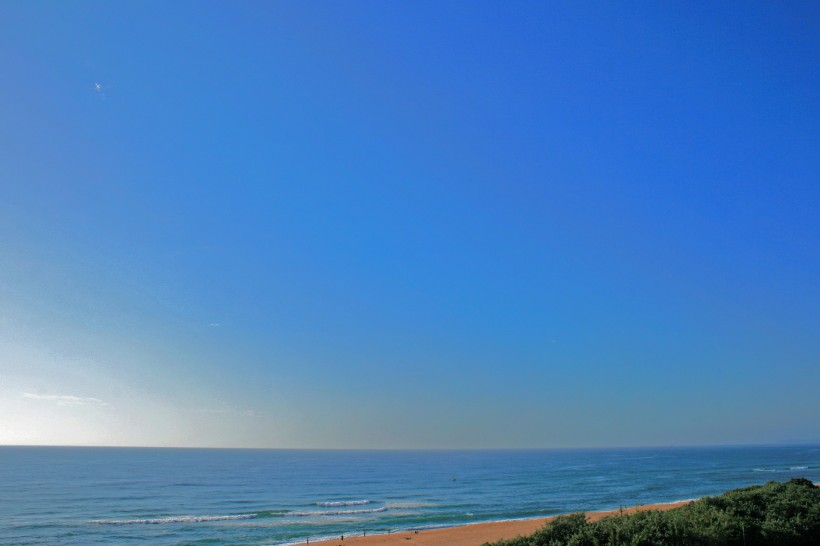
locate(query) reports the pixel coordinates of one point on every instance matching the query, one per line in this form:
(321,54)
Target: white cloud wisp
(65,399)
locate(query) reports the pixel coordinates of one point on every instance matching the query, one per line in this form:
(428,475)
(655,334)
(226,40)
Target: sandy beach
(476,533)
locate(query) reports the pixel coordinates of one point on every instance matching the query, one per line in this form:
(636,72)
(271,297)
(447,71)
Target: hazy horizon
(785,444)
(409,225)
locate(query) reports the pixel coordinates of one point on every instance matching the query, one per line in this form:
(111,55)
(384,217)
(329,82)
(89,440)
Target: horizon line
(439,449)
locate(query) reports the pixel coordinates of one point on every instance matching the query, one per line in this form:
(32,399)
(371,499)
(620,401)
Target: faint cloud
(101,89)
(65,399)
(552,341)
(214,325)
(228,411)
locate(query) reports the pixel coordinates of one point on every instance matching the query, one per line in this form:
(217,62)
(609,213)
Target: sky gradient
(409,224)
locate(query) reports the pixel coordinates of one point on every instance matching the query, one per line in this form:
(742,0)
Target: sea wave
(409,504)
(337,512)
(171,519)
(798,468)
(764,470)
(333,504)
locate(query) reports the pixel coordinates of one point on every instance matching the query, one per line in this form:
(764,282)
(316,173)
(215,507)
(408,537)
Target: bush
(780,514)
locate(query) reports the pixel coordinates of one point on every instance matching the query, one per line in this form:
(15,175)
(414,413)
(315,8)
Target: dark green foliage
(561,530)
(779,514)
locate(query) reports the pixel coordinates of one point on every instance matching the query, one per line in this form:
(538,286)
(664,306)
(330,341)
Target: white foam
(171,519)
(337,512)
(409,504)
(333,504)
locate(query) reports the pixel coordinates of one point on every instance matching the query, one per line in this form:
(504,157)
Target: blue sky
(409,224)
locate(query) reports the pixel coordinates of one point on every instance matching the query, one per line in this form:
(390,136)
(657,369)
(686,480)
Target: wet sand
(474,534)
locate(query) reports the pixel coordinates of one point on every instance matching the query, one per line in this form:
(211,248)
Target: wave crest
(338,512)
(171,519)
(333,504)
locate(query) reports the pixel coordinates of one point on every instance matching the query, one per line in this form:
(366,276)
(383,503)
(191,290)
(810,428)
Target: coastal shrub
(648,528)
(779,514)
(560,530)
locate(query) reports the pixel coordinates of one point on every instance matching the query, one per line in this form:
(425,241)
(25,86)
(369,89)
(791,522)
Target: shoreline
(474,534)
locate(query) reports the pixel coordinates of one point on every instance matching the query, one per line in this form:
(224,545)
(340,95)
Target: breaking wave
(171,519)
(338,512)
(333,504)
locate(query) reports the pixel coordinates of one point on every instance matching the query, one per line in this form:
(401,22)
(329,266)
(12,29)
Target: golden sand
(474,534)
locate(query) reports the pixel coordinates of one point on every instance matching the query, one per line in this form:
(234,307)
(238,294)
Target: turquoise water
(56,495)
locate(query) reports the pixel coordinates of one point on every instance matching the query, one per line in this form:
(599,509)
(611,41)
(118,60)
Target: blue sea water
(78,495)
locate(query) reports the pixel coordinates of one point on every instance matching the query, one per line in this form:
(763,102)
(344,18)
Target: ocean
(83,496)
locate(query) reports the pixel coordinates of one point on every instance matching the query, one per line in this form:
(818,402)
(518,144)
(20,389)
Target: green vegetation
(786,514)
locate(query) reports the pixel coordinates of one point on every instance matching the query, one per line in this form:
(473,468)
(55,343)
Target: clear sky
(409,224)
